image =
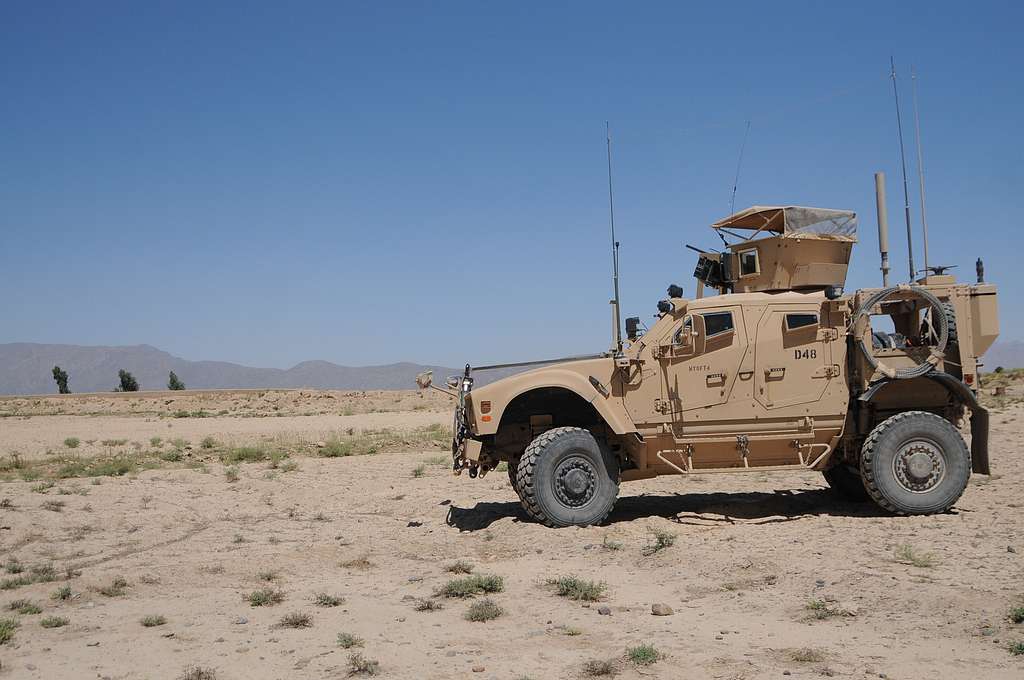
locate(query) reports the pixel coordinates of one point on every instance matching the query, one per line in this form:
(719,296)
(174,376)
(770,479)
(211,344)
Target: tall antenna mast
(617,331)
(920,165)
(903,162)
(739,163)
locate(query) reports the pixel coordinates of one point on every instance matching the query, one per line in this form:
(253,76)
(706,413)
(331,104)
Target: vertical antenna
(883,226)
(736,181)
(903,161)
(920,165)
(617,332)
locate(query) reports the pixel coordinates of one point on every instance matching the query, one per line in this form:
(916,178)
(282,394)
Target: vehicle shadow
(701,509)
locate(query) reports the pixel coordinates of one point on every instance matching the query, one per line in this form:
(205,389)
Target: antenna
(920,165)
(903,161)
(617,330)
(883,226)
(739,163)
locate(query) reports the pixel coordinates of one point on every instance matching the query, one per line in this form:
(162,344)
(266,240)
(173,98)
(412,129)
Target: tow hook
(473,472)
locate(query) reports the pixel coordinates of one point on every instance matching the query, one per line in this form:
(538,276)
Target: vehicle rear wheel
(565,478)
(915,463)
(846,481)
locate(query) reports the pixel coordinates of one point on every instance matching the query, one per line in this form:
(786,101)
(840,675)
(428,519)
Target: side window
(716,323)
(795,321)
(685,332)
(748,262)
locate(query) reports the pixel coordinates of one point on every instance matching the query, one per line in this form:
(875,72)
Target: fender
(979,415)
(575,379)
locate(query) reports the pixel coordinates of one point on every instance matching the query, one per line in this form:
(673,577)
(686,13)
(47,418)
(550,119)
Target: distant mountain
(1008,354)
(26,368)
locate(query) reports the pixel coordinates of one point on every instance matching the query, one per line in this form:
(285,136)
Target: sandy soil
(750,553)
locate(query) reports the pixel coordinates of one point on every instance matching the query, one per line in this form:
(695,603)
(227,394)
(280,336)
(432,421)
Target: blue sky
(375,182)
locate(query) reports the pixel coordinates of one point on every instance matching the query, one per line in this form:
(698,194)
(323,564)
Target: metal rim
(919,465)
(575,481)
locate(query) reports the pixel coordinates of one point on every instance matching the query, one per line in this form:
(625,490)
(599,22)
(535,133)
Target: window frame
(730,329)
(790,327)
(757,262)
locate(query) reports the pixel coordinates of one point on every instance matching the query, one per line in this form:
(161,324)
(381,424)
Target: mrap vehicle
(780,369)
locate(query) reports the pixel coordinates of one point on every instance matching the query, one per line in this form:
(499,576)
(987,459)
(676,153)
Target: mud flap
(979,441)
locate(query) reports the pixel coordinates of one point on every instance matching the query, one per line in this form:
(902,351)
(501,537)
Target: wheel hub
(575,482)
(919,466)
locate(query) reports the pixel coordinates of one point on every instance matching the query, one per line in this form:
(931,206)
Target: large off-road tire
(846,481)
(513,479)
(565,478)
(915,463)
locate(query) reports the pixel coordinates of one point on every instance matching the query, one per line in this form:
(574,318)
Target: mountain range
(26,368)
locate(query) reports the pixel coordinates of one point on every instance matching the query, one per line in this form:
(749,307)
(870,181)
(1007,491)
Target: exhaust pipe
(883,226)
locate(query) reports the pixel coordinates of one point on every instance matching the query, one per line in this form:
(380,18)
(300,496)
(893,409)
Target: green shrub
(483,610)
(576,588)
(643,655)
(472,585)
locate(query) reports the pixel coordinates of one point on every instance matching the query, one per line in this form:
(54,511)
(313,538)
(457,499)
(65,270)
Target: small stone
(661,609)
(450,653)
(241,621)
(30,667)
(321,444)
(478,669)
(820,583)
(1010,549)
(604,611)
(786,673)
(414,579)
(718,637)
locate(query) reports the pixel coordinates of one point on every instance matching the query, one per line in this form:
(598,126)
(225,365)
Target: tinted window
(716,323)
(794,321)
(748,262)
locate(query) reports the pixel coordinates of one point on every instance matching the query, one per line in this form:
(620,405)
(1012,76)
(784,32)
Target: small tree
(128,382)
(60,376)
(174,383)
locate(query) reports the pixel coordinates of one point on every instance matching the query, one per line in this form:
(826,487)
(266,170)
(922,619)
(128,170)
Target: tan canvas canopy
(794,221)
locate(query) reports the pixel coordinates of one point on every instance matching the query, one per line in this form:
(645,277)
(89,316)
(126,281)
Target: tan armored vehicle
(779,369)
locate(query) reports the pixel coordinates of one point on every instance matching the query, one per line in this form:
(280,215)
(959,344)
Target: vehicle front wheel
(846,481)
(565,478)
(915,463)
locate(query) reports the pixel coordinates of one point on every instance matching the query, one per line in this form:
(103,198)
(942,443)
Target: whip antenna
(903,162)
(920,165)
(739,163)
(617,331)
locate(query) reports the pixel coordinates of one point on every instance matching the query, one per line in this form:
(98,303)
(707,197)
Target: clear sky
(377,181)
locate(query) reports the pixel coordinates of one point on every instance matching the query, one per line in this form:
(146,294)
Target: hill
(25,368)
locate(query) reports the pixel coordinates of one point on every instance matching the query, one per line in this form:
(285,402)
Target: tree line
(126,381)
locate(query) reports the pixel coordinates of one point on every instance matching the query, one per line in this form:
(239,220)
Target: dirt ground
(767,575)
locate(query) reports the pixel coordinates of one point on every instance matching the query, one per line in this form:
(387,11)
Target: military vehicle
(780,369)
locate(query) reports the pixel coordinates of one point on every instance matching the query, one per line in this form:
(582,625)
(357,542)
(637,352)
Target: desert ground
(305,534)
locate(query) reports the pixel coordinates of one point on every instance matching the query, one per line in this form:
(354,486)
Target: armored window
(748,262)
(794,321)
(716,323)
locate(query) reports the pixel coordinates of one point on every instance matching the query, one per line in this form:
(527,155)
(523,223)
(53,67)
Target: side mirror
(425,379)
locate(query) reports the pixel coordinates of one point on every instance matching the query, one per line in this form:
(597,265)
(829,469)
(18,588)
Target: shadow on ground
(757,507)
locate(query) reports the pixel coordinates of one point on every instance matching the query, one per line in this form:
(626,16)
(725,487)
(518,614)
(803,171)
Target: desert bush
(472,585)
(7,628)
(117,588)
(576,588)
(460,567)
(54,621)
(153,620)
(265,597)
(643,655)
(198,673)
(72,442)
(348,641)
(327,600)
(661,540)
(296,620)
(24,607)
(1017,615)
(360,665)
(598,668)
(483,610)
(906,554)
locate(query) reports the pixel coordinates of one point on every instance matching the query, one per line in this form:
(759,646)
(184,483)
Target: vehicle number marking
(805,354)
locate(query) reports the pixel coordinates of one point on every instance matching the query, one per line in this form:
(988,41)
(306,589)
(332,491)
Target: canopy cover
(795,221)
